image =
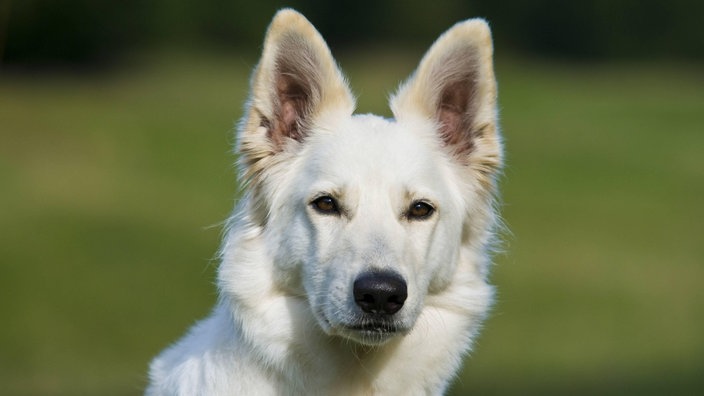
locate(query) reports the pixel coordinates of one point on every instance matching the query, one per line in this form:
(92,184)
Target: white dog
(356,262)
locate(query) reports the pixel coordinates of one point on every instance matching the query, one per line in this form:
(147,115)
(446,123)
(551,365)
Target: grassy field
(114,187)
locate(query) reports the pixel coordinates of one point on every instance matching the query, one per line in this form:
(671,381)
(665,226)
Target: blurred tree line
(92,31)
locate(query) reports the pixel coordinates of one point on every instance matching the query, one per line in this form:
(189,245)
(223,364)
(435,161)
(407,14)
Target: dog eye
(420,210)
(325,205)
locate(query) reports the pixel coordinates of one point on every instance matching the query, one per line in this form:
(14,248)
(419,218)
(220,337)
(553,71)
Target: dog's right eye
(420,210)
(326,205)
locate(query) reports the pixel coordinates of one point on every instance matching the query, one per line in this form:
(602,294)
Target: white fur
(281,325)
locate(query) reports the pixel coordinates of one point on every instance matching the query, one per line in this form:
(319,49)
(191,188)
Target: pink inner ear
(454,116)
(292,100)
(289,115)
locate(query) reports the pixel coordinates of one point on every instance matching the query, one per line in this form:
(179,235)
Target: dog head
(365,217)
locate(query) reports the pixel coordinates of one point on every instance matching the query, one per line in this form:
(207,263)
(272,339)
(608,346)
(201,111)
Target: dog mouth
(363,329)
(372,332)
(374,327)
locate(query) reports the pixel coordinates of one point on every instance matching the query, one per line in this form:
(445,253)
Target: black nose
(380,292)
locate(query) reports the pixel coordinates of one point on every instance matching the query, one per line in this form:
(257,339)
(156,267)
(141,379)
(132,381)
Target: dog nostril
(380,292)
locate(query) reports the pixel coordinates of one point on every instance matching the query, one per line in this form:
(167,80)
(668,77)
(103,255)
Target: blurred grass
(600,291)
(114,186)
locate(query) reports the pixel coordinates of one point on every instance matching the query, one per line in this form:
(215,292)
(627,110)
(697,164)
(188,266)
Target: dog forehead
(372,147)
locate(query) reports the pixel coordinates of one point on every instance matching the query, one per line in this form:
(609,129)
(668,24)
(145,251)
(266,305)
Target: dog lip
(372,333)
(376,327)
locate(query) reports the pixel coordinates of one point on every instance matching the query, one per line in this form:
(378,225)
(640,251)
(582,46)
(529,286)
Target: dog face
(373,225)
(366,217)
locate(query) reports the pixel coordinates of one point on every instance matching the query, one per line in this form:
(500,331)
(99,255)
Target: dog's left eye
(326,205)
(419,210)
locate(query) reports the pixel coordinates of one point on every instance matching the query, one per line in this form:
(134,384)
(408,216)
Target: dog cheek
(318,287)
(327,275)
(291,249)
(445,269)
(443,257)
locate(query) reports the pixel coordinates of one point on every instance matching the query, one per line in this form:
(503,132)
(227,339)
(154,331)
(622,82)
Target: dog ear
(455,87)
(296,79)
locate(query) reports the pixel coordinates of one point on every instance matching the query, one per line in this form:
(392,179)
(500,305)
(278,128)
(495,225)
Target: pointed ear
(295,80)
(455,87)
